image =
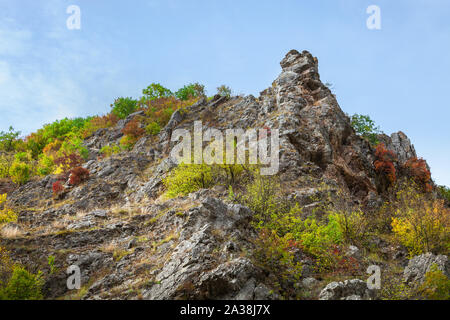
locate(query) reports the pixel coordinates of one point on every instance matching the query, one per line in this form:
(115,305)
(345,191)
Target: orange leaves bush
(385,162)
(417,170)
(78,175)
(132,132)
(99,122)
(133,129)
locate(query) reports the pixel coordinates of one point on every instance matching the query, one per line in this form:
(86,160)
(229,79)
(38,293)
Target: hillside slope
(132,242)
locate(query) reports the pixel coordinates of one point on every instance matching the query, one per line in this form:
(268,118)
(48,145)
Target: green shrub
(276,254)
(160,110)
(36,143)
(6,214)
(58,130)
(22,157)
(52,136)
(9,139)
(109,150)
(153,128)
(127,142)
(317,237)
(436,285)
(74,145)
(123,107)
(155,91)
(6,267)
(233,172)
(45,166)
(190,91)
(5,164)
(51,264)
(20,172)
(188,178)
(23,285)
(262,195)
(394,288)
(445,193)
(365,127)
(420,224)
(353,225)
(224,91)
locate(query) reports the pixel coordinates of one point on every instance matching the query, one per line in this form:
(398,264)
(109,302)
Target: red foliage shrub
(344,264)
(385,162)
(133,129)
(68,161)
(417,170)
(57,187)
(78,175)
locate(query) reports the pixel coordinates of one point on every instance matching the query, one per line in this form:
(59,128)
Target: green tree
(365,127)
(59,129)
(156,91)
(20,172)
(187,178)
(190,91)
(123,107)
(8,139)
(23,285)
(153,128)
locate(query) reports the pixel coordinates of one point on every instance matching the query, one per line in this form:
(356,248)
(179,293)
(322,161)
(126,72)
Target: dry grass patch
(11,232)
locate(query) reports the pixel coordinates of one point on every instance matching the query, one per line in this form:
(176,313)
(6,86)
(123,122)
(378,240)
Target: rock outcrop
(419,265)
(348,290)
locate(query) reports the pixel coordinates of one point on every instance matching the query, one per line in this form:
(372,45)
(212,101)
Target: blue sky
(399,75)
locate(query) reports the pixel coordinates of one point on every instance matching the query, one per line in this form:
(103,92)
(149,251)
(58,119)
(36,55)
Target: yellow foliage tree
(6,214)
(422,225)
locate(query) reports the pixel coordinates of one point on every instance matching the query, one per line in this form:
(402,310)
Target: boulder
(354,289)
(420,265)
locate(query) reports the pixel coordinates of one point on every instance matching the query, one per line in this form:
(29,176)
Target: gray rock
(353,297)
(402,147)
(309,283)
(262,292)
(131,243)
(346,289)
(353,251)
(98,213)
(82,224)
(191,260)
(420,265)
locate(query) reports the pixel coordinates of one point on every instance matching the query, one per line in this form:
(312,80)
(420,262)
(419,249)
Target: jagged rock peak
(299,62)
